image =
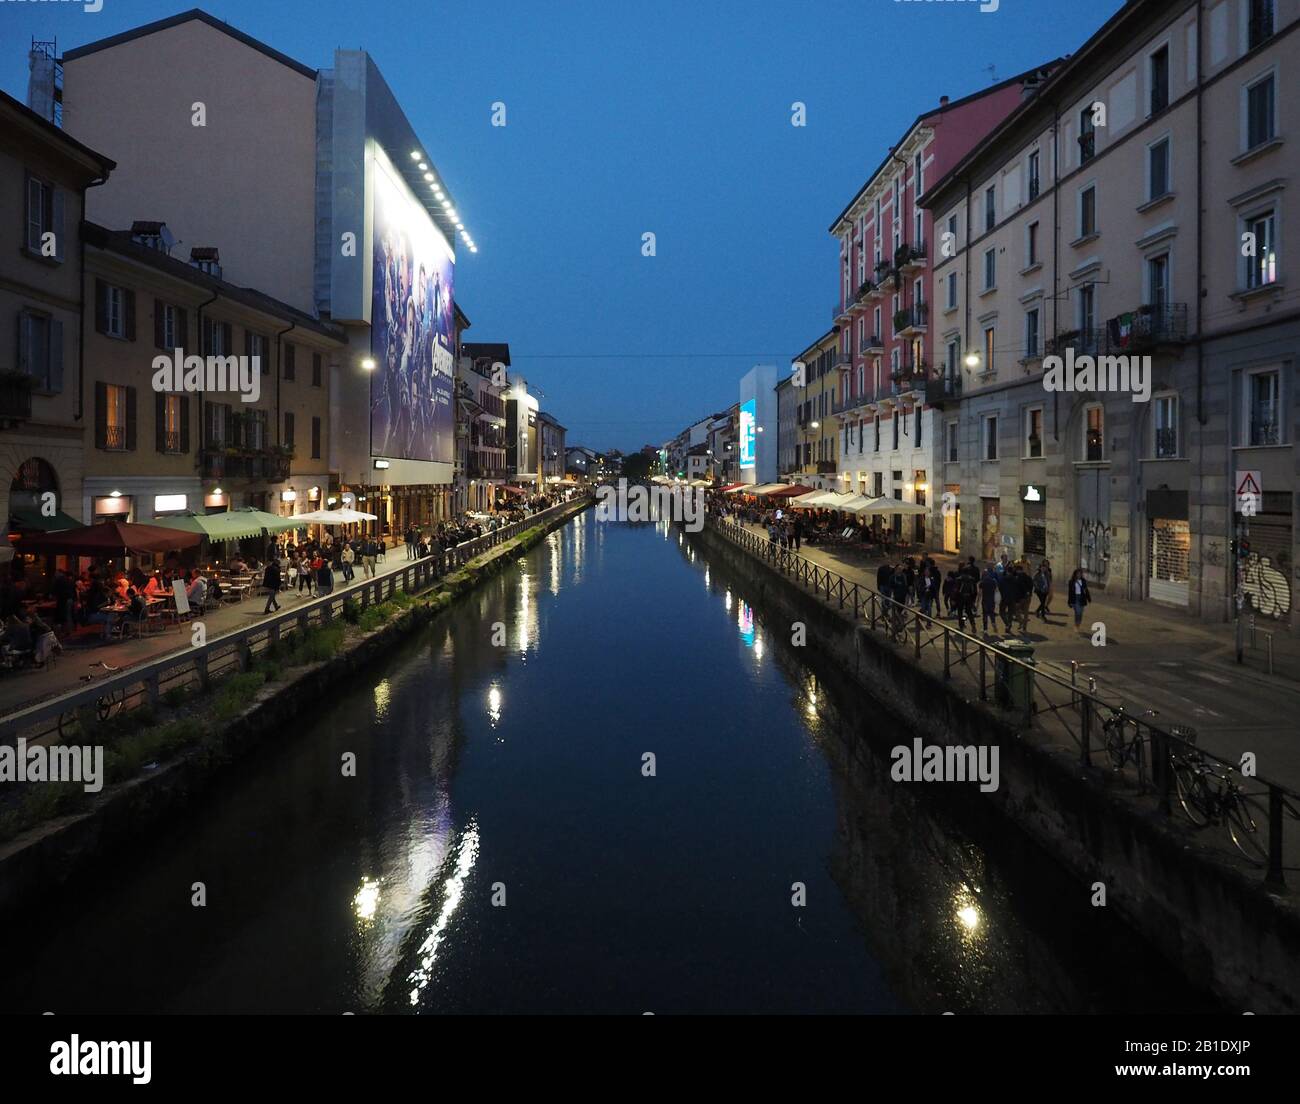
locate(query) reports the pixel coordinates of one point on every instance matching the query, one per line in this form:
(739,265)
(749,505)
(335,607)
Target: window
(952,229)
(1260,118)
(255,346)
(1087,315)
(950,442)
(895,421)
(44,215)
(1031,333)
(1032,176)
(1265,408)
(114,417)
(990,431)
(1261,269)
(1158,169)
(1031,245)
(990,269)
(1087,136)
(1094,433)
(952,291)
(315,438)
(216,338)
(1088,212)
(1260,28)
(1034,433)
(1165,422)
(1158,281)
(114,311)
(954,355)
(875,330)
(315,369)
(877,444)
(216,423)
(40,351)
(170,328)
(990,207)
(989,342)
(290,361)
(172,423)
(918,185)
(1158,67)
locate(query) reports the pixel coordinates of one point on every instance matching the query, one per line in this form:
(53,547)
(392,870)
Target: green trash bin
(1015,683)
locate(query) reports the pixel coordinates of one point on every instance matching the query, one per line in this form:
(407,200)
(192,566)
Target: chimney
(943,101)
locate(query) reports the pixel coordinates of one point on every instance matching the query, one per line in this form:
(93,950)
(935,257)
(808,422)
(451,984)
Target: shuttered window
(114,310)
(114,417)
(172,423)
(43,215)
(40,351)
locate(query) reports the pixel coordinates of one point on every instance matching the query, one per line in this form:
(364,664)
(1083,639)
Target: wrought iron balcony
(909,257)
(1083,342)
(911,320)
(871,344)
(1148,327)
(942,390)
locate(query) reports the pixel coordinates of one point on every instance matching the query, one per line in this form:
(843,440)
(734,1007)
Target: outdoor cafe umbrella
(111,538)
(895,506)
(343,516)
(228,525)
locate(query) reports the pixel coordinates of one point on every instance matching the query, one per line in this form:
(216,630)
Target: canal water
(506,844)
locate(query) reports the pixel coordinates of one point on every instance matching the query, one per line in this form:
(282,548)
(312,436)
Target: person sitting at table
(238,566)
(214,593)
(121,585)
(97,607)
(197,591)
(154,587)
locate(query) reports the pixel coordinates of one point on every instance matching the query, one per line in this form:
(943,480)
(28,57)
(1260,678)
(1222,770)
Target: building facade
(1132,212)
(816,443)
(887,389)
(482,384)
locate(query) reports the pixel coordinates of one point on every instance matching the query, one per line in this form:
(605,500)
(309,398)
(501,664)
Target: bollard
(1268,641)
(1253,642)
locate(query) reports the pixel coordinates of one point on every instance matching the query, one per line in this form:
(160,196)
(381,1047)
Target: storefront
(990,532)
(1266,567)
(1033,501)
(1169,547)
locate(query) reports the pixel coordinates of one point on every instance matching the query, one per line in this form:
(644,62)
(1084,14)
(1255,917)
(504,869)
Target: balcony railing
(15,398)
(1146,327)
(942,389)
(825,467)
(1083,342)
(911,319)
(1265,431)
(486,467)
(115,438)
(871,344)
(1087,147)
(1166,443)
(910,256)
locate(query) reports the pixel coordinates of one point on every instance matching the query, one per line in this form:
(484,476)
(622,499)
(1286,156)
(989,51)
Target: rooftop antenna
(992,71)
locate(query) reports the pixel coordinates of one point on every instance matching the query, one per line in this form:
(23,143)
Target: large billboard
(412,335)
(748,413)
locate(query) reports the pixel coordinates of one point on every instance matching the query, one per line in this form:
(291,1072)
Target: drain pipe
(81,296)
(198,314)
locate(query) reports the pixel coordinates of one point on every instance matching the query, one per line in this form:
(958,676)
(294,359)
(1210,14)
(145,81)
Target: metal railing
(234,651)
(1032,698)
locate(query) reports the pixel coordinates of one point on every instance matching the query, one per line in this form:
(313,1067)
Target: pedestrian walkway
(27,687)
(1156,659)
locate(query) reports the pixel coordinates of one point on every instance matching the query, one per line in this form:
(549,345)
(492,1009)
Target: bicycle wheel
(1189,784)
(1244,831)
(106,706)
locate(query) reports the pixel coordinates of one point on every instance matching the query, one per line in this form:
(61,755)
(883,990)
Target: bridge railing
(1031,698)
(146,683)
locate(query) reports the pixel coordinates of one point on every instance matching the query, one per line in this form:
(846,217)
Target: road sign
(1250,492)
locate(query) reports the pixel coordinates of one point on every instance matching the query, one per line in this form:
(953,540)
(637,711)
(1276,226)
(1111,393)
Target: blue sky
(625,118)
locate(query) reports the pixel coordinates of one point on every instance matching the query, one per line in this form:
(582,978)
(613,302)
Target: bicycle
(1121,751)
(1210,797)
(113,701)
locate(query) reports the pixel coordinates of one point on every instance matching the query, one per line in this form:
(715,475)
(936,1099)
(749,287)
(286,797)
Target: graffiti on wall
(1094,548)
(1267,590)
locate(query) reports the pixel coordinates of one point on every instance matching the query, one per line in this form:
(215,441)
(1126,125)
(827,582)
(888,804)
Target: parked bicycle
(113,701)
(1119,749)
(1209,795)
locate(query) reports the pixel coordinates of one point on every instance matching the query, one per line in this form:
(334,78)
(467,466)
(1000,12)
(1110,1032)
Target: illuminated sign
(412,333)
(747,435)
(1030,492)
(163,504)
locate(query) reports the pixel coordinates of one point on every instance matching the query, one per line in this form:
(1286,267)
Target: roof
(31,120)
(942,109)
(462,317)
(1082,59)
(832,332)
(494,351)
(119,242)
(193,15)
(550,419)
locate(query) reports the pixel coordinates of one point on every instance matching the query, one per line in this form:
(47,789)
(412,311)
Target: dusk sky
(672,118)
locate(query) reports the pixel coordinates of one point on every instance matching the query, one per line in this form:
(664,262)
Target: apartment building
(886,388)
(1133,208)
(44,175)
(481,428)
(721,451)
(260,438)
(551,439)
(816,444)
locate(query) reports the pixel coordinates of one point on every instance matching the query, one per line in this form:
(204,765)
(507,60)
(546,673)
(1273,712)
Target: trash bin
(1015,683)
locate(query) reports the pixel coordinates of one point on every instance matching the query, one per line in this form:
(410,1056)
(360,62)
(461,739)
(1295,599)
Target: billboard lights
(416,155)
(368,364)
(429,177)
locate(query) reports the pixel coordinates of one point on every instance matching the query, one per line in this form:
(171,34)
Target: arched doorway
(35,489)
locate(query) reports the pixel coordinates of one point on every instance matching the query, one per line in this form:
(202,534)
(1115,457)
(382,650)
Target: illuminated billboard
(412,335)
(748,411)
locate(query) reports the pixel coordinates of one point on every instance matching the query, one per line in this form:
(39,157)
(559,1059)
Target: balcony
(1147,328)
(212,463)
(871,344)
(910,376)
(233,462)
(911,321)
(941,391)
(842,361)
(15,398)
(842,313)
(1082,342)
(486,467)
(910,258)
(865,291)
(824,467)
(1087,147)
(1166,443)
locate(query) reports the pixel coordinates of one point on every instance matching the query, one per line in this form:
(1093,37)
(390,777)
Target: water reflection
(452,890)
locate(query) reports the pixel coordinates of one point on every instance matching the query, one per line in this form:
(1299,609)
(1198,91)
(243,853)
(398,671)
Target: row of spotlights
(447,207)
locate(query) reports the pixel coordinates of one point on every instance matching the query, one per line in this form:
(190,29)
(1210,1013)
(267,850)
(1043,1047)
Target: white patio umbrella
(342,516)
(890,506)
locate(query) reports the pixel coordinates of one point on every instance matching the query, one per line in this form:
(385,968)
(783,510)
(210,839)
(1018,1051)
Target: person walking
(988,598)
(368,558)
(966,590)
(347,557)
(1046,568)
(1007,594)
(1042,588)
(1024,591)
(796,532)
(271,581)
(1077,593)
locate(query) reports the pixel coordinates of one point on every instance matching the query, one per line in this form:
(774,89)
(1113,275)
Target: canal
(505,844)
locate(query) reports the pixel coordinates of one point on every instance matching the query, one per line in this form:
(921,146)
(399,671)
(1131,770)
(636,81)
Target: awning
(793,491)
(231,525)
(36,522)
(111,538)
(894,506)
(342,516)
(731,487)
(514,490)
(766,488)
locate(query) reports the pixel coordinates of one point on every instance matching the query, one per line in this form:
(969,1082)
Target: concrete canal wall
(48,859)
(1213,919)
